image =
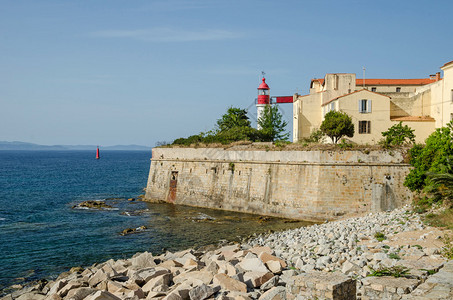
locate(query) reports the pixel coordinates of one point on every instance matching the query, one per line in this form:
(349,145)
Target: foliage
(442,219)
(231,127)
(234,126)
(447,249)
(281,143)
(316,136)
(271,124)
(395,271)
(398,135)
(394,256)
(336,125)
(379,236)
(432,158)
(345,145)
(441,185)
(193,139)
(235,117)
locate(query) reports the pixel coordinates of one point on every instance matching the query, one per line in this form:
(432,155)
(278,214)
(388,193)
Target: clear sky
(137,72)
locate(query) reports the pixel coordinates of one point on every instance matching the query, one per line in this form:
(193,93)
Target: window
(364,106)
(373,89)
(364,127)
(398,90)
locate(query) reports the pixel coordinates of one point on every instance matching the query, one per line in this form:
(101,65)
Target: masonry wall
(310,185)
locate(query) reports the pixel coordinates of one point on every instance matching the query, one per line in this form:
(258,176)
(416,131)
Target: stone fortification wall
(310,185)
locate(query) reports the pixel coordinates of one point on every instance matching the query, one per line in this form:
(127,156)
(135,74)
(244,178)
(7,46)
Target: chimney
(437,76)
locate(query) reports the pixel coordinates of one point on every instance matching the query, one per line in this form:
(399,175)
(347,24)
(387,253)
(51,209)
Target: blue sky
(138,72)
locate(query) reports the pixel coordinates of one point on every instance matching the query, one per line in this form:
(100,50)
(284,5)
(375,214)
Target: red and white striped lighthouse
(263,99)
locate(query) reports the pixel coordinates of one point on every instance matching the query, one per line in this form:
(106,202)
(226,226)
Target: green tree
(432,157)
(398,135)
(337,124)
(271,124)
(235,117)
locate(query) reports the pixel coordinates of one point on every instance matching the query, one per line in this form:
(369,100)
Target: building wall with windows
(369,112)
(422,104)
(445,104)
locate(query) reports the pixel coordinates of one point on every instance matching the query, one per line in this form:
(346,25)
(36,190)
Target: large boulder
(201,292)
(102,295)
(229,284)
(143,260)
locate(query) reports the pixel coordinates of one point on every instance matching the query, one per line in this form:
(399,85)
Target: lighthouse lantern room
(263,99)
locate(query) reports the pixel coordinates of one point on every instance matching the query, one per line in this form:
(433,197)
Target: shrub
(379,236)
(398,135)
(316,136)
(336,125)
(432,158)
(395,271)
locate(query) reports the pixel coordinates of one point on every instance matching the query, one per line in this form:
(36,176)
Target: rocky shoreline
(389,255)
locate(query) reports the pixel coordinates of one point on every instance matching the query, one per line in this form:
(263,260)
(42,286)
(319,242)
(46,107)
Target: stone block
(229,284)
(323,285)
(256,279)
(201,292)
(387,287)
(143,260)
(160,282)
(79,293)
(102,295)
(253,264)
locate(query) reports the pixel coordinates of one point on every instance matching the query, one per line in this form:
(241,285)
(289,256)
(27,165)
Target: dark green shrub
(337,124)
(398,135)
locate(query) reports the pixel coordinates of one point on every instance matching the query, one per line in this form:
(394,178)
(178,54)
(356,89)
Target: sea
(43,232)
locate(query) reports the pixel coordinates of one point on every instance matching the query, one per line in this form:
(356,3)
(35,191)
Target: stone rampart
(310,185)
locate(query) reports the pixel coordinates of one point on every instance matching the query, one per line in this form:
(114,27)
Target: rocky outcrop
(94,204)
(327,261)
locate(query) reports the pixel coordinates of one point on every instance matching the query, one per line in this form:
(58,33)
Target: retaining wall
(309,185)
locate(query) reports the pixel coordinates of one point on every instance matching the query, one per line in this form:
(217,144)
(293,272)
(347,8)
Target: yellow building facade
(377,104)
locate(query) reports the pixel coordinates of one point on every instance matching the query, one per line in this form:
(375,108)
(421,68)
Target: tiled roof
(414,119)
(448,63)
(320,80)
(421,81)
(372,81)
(353,93)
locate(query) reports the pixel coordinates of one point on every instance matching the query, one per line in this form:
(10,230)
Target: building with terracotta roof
(377,104)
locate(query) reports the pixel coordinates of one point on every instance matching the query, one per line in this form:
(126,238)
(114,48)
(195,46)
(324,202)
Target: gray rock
(201,292)
(79,293)
(143,260)
(102,295)
(253,264)
(276,293)
(270,283)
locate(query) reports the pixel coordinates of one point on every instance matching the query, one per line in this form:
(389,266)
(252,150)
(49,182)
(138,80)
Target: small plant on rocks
(394,256)
(447,249)
(395,271)
(379,236)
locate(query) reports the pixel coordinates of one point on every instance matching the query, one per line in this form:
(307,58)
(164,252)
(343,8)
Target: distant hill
(30,146)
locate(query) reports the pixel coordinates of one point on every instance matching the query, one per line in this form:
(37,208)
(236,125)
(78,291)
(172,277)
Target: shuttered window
(364,106)
(364,127)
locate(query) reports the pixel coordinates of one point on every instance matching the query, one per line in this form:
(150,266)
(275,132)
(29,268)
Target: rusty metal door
(173,184)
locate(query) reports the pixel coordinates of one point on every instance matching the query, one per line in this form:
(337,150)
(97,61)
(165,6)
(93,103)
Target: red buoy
(97,153)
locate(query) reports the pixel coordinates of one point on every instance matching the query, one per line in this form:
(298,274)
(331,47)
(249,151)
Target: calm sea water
(41,235)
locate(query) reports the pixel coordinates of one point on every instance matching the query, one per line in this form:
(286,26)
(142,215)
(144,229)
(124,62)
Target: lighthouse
(263,99)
